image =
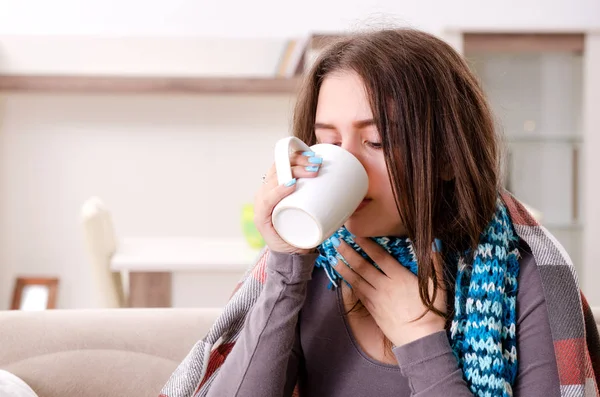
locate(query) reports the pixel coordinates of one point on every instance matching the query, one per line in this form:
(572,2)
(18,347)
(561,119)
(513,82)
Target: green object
(249,229)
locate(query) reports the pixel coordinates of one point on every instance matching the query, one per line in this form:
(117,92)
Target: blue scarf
(482,334)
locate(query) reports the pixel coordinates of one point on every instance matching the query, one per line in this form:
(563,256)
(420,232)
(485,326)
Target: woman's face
(344,118)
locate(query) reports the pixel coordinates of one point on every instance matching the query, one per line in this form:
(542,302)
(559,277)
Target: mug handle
(283,149)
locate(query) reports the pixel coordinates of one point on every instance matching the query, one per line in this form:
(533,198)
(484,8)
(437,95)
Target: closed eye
(330,143)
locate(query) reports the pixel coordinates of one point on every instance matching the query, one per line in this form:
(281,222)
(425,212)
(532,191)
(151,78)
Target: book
(292,60)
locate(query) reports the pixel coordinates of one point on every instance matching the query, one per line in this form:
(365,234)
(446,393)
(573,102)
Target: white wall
(166,166)
(154,56)
(270,18)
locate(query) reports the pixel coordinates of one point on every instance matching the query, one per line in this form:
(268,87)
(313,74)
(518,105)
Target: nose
(350,145)
(354,147)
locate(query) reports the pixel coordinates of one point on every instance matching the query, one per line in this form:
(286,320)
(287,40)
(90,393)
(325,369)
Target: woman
(472,320)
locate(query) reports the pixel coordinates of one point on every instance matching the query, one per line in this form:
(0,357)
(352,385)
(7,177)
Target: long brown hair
(437,133)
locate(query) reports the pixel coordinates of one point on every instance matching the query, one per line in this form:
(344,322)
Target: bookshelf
(535,83)
(503,42)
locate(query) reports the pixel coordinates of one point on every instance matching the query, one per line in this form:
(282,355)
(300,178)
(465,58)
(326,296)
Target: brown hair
(437,133)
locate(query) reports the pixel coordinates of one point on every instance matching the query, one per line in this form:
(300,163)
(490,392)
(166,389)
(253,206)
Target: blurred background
(133,134)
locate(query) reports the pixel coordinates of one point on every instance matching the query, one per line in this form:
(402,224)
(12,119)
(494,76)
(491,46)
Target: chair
(101,244)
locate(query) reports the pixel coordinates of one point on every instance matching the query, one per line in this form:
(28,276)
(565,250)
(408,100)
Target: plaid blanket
(574,332)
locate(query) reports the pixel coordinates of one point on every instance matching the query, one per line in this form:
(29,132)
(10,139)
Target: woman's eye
(375,145)
(330,142)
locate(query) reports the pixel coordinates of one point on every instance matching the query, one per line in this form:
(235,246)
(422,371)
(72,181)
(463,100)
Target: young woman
(433,287)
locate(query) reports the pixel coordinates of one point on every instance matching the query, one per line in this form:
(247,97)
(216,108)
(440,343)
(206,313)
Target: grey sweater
(297,333)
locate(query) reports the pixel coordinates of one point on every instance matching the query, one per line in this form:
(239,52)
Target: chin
(363,228)
(373,226)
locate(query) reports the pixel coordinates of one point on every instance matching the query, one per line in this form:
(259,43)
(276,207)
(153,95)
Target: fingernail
(312,168)
(291,182)
(308,154)
(335,241)
(315,160)
(333,261)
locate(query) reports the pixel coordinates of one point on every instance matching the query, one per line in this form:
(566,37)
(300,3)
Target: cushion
(13,386)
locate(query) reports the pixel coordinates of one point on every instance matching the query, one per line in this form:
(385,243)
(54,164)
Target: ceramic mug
(319,206)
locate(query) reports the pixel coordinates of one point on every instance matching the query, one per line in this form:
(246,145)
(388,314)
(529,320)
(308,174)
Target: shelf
(572,140)
(147,84)
(523,42)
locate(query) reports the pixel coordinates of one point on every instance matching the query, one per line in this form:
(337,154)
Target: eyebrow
(357,124)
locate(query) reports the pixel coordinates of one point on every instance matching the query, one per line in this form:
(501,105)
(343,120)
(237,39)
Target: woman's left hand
(391,298)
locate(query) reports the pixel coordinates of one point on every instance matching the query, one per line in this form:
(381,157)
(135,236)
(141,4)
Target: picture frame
(35,293)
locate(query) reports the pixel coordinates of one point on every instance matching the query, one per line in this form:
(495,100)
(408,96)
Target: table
(151,261)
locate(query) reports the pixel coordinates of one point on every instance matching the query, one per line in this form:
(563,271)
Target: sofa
(99,353)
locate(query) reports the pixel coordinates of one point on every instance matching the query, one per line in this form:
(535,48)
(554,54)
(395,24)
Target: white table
(151,261)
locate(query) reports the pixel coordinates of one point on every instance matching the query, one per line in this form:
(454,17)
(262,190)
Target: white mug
(319,206)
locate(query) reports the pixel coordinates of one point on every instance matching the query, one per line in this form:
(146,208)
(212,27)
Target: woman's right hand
(304,165)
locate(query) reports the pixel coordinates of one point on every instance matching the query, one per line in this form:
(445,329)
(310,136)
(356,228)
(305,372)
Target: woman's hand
(391,298)
(304,165)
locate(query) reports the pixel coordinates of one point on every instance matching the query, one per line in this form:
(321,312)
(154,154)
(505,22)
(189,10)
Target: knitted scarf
(482,333)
